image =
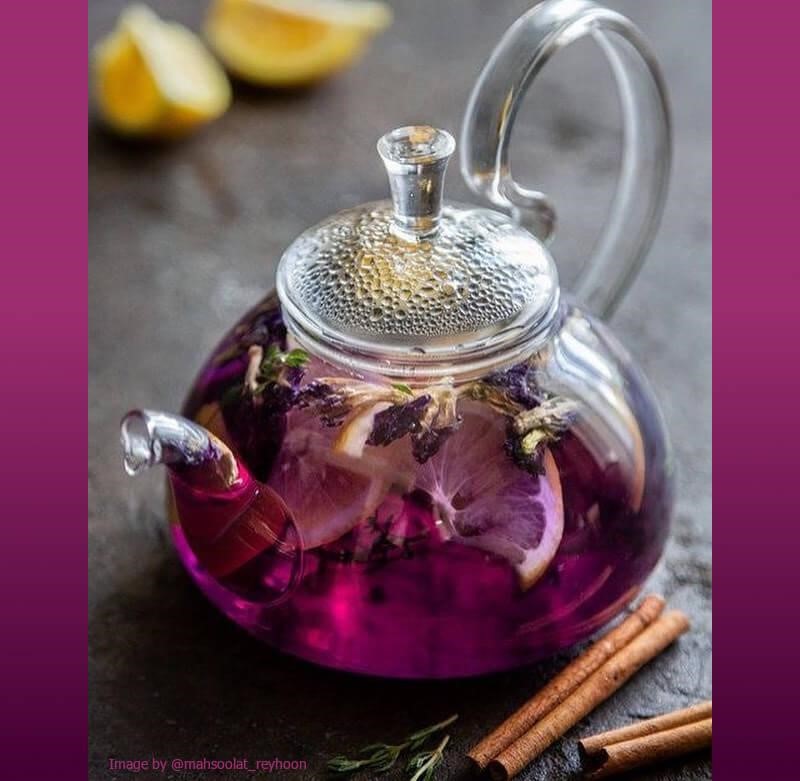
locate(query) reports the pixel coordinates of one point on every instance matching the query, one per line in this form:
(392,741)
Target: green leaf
(403,388)
(296,357)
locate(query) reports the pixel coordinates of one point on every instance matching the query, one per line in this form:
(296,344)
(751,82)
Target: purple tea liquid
(393,595)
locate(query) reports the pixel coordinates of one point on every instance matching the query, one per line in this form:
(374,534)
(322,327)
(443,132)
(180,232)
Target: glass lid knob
(415,286)
(416,159)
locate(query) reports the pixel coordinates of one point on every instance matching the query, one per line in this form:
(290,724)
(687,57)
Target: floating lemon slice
(285,43)
(328,490)
(157,78)
(482,500)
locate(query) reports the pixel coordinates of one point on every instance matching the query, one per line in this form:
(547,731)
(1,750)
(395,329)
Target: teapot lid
(411,287)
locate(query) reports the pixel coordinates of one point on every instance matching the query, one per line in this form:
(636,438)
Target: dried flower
(543,424)
(398,420)
(493,395)
(254,410)
(427,416)
(334,398)
(551,417)
(440,419)
(516,383)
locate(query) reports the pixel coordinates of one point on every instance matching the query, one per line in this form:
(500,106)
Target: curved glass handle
(641,188)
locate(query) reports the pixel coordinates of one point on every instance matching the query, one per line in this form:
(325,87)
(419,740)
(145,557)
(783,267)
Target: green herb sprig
(274,361)
(425,763)
(403,388)
(269,368)
(381,757)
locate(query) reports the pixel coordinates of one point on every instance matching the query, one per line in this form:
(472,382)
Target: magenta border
(756,367)
(757,374)
(43,577)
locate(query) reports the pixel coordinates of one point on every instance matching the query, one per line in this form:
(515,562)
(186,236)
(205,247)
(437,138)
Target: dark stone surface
(184,237)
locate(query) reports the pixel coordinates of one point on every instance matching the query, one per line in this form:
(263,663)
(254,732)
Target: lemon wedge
(287,43)
(156,78)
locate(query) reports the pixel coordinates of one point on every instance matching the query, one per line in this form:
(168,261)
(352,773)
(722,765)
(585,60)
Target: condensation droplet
(354,274)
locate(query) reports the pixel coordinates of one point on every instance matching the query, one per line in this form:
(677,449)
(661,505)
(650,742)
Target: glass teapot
(419,458)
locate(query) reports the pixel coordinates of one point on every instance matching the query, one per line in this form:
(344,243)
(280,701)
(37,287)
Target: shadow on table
(254,94)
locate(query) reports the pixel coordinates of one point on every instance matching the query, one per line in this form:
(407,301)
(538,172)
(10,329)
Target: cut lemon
(157,78)
(328,490)
(286,43)
(481,499)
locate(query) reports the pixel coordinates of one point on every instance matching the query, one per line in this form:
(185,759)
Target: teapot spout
(149,438)
(238,529)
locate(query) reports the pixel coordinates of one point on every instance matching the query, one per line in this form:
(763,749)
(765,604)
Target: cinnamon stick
(572,676)
(679,718)
(598,687)
(649,749)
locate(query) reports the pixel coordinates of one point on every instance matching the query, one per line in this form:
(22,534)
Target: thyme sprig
(271,379)
(417,739)
(425,763)
(271,366)
(381,757)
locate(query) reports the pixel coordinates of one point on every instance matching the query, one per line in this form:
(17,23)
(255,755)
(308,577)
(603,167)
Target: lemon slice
(328,491)
(285,43)
(157,78)
(482,500)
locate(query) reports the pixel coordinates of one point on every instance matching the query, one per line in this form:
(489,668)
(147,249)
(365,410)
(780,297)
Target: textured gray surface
(183,238)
